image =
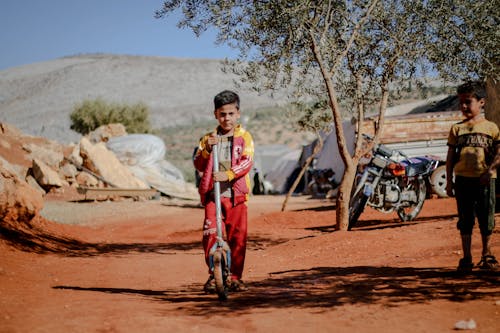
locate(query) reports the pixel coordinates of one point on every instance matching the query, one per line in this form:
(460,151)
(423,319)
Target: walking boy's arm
(450,163)
(496,161)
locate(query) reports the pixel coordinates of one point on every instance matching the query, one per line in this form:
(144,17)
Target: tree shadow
(367,225)
(35,240)
(45,243)
(317,209)
(328,287)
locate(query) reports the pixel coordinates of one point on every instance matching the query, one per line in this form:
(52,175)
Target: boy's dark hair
(226,97)
(475,88)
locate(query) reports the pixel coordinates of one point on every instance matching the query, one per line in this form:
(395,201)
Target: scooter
(220,253)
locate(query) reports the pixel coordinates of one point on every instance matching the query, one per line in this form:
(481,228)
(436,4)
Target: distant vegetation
(91,114)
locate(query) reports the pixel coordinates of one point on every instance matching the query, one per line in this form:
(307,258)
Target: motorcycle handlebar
(382,149)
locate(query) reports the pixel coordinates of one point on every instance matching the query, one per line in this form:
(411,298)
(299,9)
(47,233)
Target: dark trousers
(475,200)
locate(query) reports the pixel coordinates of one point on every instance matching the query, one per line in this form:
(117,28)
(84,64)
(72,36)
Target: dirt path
(138,267)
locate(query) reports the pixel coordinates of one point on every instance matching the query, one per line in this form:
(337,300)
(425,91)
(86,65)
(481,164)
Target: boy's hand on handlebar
(220,176)
(211,141)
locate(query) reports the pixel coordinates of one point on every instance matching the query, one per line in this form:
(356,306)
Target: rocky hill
(38,98)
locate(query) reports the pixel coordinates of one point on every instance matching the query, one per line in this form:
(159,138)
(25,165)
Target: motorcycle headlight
(380,162)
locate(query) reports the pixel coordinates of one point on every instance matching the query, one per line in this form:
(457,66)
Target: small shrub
(91,114)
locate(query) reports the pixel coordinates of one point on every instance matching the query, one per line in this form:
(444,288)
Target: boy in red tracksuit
(235,152)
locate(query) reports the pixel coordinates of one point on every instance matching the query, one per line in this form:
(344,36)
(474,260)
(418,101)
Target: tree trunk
(492,106)
(344,196)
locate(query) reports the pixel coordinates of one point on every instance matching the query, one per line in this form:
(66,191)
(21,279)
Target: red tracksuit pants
(235,221)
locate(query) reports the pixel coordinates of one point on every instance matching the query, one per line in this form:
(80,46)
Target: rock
(18,200)
(105,132)
(101,161)
(68,170)
(33,183)
(51,154)
(10,130)
(75,157)
(18,170)
(45,176)
(87,180)
(466,325)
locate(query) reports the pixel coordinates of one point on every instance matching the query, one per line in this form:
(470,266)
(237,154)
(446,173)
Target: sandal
(465,265)
(209,287)
(488,262)
(237,285)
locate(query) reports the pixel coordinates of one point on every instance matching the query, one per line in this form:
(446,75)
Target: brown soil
(137,266)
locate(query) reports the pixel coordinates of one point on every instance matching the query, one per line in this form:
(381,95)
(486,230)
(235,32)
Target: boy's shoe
(465,265)
(237,285)
(488,262)
(209,286)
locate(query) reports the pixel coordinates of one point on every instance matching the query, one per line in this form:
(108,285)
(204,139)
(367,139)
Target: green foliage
(91,114)
(465,38)
(312,116)
(347,51)
(358,46)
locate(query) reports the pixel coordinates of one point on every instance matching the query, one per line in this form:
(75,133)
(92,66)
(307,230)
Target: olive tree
(466,44)
(333,50)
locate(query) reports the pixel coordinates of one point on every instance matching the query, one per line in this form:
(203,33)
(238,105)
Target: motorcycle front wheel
(356,207)
(410,211)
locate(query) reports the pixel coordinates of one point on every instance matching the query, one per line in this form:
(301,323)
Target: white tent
(144,155)
(275,163)
(282,169)
(329,156)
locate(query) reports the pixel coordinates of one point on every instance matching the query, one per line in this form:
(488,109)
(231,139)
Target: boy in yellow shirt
(473,157)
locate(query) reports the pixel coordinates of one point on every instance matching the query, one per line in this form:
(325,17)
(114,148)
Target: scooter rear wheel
(220,274)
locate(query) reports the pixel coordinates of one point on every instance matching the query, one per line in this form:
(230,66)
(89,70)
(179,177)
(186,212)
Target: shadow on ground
(327,287)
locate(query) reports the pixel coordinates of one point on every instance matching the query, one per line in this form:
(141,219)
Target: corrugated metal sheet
(436,148)
(415,127)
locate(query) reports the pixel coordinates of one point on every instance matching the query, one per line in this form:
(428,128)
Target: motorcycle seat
(416,165)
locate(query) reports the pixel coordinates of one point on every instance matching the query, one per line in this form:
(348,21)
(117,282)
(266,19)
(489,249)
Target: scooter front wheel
(220,274)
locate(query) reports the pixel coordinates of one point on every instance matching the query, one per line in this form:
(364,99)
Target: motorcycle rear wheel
(438,181)
(410,212)
(221,274)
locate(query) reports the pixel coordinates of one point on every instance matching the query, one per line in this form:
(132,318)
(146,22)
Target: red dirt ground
(137,266)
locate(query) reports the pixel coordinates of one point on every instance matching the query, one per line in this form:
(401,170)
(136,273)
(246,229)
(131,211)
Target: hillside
(38,98)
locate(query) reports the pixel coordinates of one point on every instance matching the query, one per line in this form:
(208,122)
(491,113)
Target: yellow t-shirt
(475,146)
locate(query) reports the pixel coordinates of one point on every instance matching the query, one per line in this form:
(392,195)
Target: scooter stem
(218,208)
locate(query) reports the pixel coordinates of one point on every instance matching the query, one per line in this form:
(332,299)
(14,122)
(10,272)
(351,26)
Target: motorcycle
(323,181)
(390,181)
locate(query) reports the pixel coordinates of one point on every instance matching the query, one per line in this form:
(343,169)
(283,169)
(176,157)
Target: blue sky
(39,30)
